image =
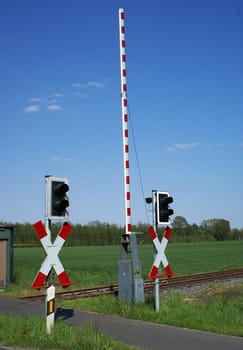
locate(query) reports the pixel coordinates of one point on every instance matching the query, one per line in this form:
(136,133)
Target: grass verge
(30,332)
(217,309)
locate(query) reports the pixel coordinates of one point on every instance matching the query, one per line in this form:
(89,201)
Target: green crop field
(97,265)
(218,309)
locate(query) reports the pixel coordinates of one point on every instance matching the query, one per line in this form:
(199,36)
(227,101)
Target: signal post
(161,216)
(57,202)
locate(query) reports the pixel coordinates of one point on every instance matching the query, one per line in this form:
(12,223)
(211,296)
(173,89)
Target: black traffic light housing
(57,201)
(163,209)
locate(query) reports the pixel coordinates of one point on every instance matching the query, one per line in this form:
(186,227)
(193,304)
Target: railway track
(165,283)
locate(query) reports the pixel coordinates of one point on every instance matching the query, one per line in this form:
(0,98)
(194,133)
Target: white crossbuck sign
(160,256)
(52,259)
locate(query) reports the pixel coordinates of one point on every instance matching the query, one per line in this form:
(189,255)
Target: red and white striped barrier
(160,257)
(125,121)
(52,259)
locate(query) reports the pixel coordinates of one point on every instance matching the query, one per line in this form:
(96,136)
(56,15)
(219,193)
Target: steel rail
(188,280)
(165,283)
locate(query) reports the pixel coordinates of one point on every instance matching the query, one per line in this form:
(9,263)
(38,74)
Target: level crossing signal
(57,200)
(163,209)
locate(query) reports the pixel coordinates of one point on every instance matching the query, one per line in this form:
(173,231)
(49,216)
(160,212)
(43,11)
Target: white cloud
(31,109)
(92,84)
(51,102)
(35,99)
(53,107)
(79,94)
(96,84)
(58,94)
(57,159)
(78,85)
(181,146)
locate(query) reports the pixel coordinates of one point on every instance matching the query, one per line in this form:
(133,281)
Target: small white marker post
(50,308)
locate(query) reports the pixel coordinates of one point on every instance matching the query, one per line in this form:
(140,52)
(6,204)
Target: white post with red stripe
(125,121)
(160,256)
(130,282)
(52,260)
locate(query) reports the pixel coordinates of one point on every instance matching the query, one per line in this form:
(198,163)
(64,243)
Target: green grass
(187,258)
(30,332)
(98,265)
(217,310)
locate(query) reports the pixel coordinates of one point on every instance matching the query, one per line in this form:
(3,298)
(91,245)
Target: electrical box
(125,281)
(6,255)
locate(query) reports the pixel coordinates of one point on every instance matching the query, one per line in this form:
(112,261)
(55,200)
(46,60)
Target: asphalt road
(145,335)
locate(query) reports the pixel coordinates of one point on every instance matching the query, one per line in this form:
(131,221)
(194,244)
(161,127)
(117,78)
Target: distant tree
(219,228)
(180,222)
(180,226)
(236,234)
(193,229)
(98,233)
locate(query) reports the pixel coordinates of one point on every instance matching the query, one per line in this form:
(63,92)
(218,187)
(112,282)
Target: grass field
(97,265)
(218,309)
(30,333)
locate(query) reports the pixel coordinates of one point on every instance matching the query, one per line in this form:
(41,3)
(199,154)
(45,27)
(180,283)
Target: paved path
(145,335)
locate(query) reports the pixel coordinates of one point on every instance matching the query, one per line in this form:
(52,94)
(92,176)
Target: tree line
(97,233)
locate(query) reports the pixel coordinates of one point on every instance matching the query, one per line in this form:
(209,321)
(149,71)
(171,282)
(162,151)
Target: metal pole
(47,220)
(156,280)
(50,277)
(124,102)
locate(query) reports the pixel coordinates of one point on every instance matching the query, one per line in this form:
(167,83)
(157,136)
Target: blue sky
(60,107)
